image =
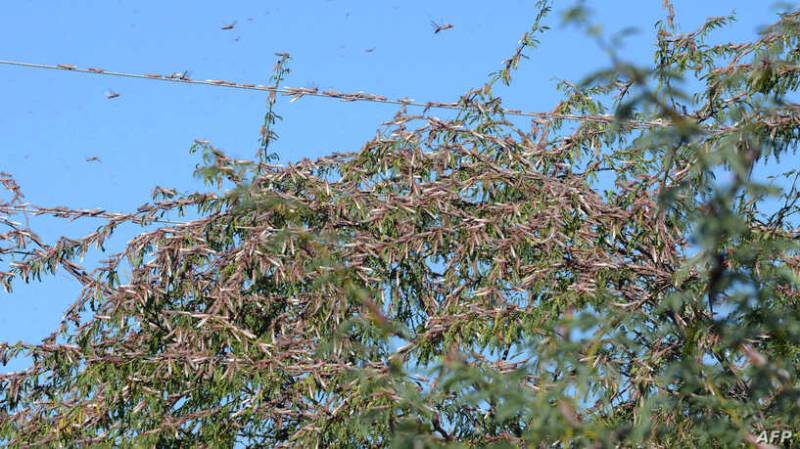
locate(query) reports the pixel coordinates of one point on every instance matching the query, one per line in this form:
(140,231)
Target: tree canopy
(613,273)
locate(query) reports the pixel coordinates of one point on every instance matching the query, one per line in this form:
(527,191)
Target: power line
(74,214)
(298,92)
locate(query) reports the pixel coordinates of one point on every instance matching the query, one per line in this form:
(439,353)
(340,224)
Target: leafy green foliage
(599,280)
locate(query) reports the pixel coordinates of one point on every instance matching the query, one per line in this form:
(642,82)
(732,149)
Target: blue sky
(51,121)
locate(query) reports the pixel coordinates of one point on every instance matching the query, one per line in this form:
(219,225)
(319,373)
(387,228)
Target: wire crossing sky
(52,124)
(297,93)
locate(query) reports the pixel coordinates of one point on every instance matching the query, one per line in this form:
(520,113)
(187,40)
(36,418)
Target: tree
(597,280)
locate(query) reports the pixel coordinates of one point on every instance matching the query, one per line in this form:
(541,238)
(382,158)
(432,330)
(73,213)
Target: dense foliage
(614,273)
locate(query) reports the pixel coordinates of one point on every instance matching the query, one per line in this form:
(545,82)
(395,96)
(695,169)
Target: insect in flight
(229,26)
(439,27)
(111,94)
